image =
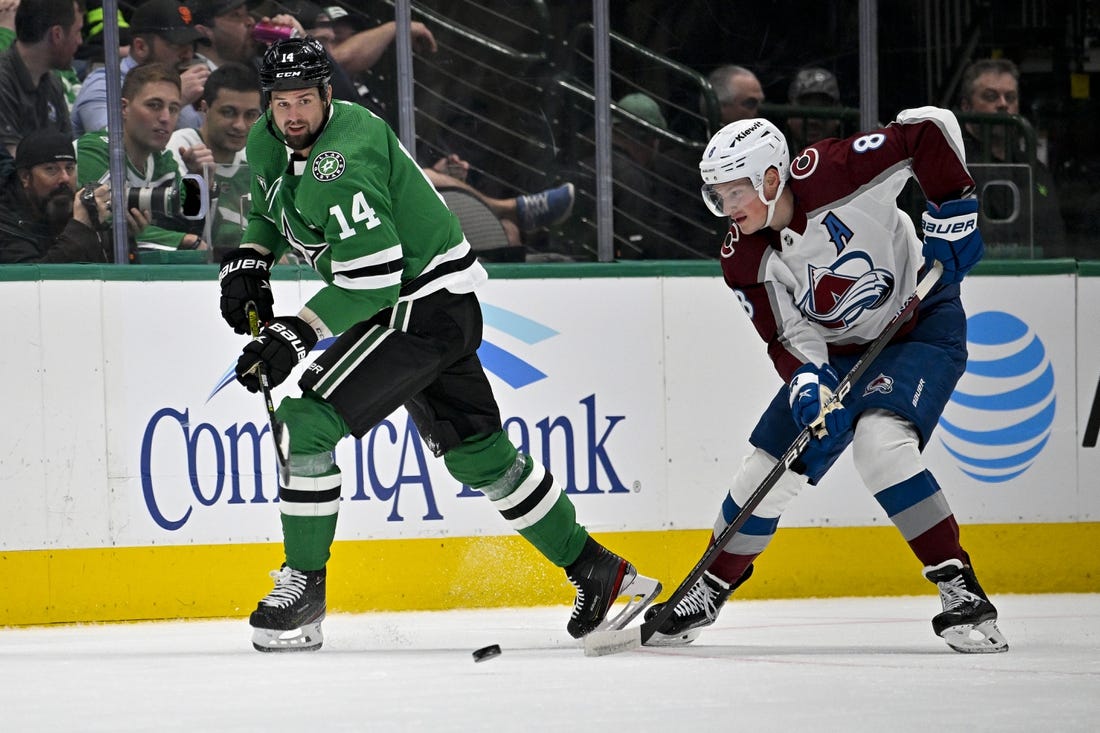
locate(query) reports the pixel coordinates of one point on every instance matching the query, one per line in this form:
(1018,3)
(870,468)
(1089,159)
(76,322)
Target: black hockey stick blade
(600,643)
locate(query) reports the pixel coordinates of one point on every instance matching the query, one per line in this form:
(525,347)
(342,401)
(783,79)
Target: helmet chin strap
(770,204)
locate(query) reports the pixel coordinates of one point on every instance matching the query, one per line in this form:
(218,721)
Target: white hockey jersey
(835,276)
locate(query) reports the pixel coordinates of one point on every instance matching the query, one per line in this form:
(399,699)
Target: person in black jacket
(43,217)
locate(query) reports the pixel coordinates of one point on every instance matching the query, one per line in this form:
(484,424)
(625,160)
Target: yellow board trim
(217,581)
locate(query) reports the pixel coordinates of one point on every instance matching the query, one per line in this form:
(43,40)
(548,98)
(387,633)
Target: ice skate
(698,609)
(288,619)
(601,577)
(968,622)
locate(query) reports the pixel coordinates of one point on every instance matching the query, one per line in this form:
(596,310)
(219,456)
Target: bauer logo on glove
(279,347)
(951,236)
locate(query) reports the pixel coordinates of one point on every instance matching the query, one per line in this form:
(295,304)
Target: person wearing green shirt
(230,104)
(150,106)
(333,185)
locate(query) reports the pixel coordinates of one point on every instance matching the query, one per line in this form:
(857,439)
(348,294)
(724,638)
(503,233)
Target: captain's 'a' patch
(328,166)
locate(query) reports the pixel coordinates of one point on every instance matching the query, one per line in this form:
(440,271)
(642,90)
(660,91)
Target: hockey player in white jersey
(821,258)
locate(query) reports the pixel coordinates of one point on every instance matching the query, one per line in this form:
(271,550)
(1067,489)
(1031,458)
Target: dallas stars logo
(328,166)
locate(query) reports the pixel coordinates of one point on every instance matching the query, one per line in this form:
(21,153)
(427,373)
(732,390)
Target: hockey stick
(600,643)
(265,387)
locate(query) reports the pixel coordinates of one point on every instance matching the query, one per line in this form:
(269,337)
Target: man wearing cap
(47,34)
(812,87)
(43,218)
(344,25)
(162,31)
(642,224)
(227,26)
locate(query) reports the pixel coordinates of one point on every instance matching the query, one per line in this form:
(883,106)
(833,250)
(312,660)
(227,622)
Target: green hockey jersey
(361,212)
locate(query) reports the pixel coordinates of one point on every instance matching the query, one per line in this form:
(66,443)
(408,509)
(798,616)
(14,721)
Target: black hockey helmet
(295,63)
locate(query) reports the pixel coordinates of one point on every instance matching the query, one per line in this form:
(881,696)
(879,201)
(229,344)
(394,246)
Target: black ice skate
(968,622)
(699,608)
(601,577)
(288,619)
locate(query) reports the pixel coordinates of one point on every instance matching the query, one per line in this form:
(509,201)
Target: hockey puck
(487,652)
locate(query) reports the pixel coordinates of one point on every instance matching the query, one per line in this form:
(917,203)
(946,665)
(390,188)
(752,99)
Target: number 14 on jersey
(360,212)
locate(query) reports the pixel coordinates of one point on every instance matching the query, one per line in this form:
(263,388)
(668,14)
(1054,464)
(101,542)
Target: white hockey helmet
(744,149)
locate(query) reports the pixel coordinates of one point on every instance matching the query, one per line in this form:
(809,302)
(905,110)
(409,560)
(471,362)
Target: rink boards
(138,483)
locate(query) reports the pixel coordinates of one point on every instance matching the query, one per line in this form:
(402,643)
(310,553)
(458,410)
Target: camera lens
(158,200)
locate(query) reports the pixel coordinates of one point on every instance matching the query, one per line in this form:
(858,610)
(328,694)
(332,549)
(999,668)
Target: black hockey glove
(246,277)
(280,346)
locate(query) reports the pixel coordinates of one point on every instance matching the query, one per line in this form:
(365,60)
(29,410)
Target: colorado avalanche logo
(881,383)
(328,166)
(839,294)
(732,236)
(805,164)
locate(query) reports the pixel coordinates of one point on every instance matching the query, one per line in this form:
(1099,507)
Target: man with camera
(43,217)
(150,108)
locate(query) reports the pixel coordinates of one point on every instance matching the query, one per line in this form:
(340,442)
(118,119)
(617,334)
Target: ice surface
(813,665)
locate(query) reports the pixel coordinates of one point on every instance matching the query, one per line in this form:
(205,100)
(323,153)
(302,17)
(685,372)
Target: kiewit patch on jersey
(328,166)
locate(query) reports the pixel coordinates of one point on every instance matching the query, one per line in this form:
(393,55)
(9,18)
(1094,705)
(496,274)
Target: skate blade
(308,638)
(982,638)
(659,639)
(639,592)
(601,643)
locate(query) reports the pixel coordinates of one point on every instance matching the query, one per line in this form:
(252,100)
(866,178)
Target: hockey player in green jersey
(332,183)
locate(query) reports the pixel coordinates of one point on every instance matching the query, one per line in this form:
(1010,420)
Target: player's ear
(771,183)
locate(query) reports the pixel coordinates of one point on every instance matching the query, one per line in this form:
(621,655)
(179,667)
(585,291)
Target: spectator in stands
(91,54)
(351,57)
(43,217)
(344,24)
(812,87)
(47,34)
(227,26)
(150,108)
(992,86)
(642,224)
(7,21)
(162,32)
(231,103)
(526,213)
(738,91)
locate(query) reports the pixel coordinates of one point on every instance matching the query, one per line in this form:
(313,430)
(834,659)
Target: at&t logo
(999,418)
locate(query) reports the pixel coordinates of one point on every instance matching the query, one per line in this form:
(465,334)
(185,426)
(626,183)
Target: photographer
(150,108)
(43,218)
